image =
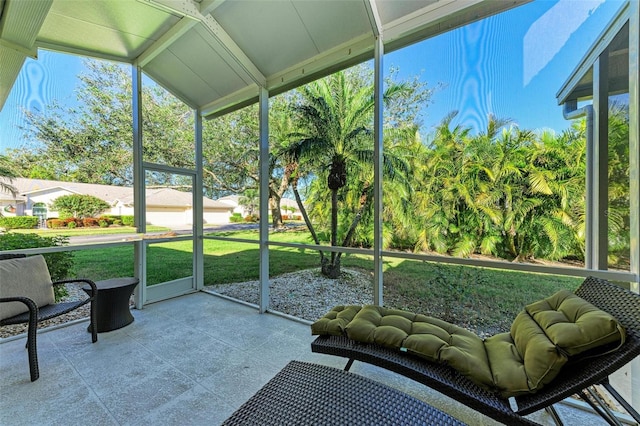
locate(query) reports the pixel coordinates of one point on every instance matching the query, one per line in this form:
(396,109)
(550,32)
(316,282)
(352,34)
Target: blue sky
(510,65)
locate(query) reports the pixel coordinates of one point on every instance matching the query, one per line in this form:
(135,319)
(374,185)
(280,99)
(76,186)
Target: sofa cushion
(575,325)
(334,322)
(26,277)
(426,337)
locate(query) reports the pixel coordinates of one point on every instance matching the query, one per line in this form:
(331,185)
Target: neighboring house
(234,201)
(165,206)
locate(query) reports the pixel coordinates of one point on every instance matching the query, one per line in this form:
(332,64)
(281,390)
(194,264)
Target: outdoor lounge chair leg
(32,345)
(621,400)
(349,364)
(599,407)
(551,410)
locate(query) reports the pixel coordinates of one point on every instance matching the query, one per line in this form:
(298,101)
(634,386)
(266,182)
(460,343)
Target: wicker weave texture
(621,303)
(310,394)
(440,377)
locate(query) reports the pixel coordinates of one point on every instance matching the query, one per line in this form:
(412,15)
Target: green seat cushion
(575,325)
(426,337)
(25,277)
(334,322)
(524,360)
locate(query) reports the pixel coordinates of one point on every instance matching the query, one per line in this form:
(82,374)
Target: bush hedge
(235,218)
(251,218)
(18,222)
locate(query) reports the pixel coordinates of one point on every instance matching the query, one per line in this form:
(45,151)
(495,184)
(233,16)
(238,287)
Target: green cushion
(26,277)
(575,325)
(524,360)
(542,339)
(334,322)
(424,336)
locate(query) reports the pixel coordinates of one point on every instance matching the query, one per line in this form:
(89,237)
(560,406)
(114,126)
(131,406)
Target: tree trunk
(365,200)
(274,206)
(332,272)
(331,269)
(305,216)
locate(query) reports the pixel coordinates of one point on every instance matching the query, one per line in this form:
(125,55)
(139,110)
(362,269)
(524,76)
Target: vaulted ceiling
(215,54)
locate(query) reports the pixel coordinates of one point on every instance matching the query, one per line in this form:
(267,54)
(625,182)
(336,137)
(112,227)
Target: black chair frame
(37,314)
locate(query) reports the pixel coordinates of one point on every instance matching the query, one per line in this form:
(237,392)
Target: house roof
(615,39)
(234,200)
(214,55)
(165,197)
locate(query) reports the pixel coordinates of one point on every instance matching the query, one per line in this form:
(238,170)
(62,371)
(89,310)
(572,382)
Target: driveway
(90,239)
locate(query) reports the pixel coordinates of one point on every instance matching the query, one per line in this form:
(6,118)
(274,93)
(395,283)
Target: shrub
(60,263)
(251,218)
(103,223)
(79,205)
(55,223)
(70,220)
(18,222)
(235,218)
(128,221)
(90,221)
(107,219)
(117,222)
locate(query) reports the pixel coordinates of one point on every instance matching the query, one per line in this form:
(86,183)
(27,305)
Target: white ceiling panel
(178,78)
(273,35)
(329,24)
(112,29)
(398,9)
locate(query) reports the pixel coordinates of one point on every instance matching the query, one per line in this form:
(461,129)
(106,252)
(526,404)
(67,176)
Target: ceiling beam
(30,52)
(234,50)
(166,40)
(209,6)
(189,8)
(374,17)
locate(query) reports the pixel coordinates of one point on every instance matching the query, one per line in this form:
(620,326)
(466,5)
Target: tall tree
(335,115)
(93,141)
(7,173)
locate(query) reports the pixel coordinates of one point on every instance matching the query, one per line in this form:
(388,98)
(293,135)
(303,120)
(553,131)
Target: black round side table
(112,303)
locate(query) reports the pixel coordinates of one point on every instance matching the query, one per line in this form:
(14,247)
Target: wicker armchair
(36,312)
(575,379)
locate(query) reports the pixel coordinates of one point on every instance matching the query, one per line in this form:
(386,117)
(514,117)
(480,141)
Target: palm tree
(335,114)
(7,173)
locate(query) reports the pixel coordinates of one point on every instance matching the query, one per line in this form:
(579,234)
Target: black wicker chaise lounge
(576,379)
(19,265)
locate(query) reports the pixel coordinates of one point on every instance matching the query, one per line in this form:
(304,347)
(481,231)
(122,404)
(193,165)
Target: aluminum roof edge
(602,41)
(396,36)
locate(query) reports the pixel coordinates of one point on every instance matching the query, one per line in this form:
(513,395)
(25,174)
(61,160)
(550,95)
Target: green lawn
(482,299)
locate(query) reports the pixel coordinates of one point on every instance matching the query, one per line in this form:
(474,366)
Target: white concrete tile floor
(191,360)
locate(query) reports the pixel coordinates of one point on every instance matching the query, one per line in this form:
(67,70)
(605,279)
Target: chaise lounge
(580,374)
